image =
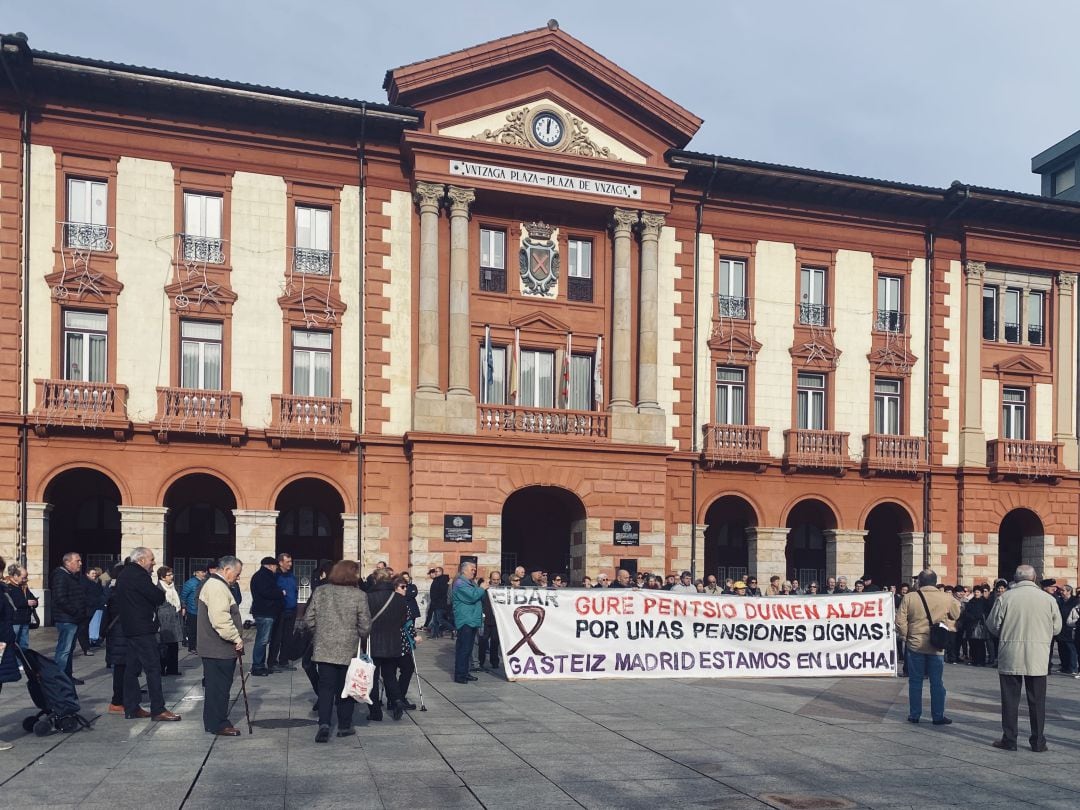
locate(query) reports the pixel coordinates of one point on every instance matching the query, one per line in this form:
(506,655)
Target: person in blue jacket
(468,616)
(189,601)
(283,626)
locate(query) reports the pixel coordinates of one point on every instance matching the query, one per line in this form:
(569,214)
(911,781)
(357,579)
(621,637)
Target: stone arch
(725,543)
(888,523)
(797,501)
(544,527)
(572,479)
(751,502)
(200,524)
(915,522)
(46,480)
(807,522)
(347,501)
(85,517)
(237,493)
(309,524)
(1020,541)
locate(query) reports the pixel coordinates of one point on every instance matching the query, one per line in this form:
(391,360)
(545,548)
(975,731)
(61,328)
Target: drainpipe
(361,177)
(694,397)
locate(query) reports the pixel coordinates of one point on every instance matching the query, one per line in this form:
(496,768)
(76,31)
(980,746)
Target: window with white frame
(810,402)
(812,297)
(312,251)
(1014,413)
(87,214)
(579,283)
(202,228)
(887,401)
(731,301)
(493,381)
(537,386)
(312,356)
(1012,315)
(492,260)
(989,313)
(581,383)
(888,317)
(730,396)
(1036,330)
(86,346)
(200,355)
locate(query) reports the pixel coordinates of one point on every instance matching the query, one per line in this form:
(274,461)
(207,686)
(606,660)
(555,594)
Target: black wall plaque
(627,532)
(457,528)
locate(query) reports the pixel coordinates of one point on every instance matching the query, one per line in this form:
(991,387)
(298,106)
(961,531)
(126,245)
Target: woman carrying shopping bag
(337,614)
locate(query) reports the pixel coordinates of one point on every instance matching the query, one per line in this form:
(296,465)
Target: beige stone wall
(775,282)
(667,299)
(43,217)
(256,532)
(977,558)
(939,551)
(399,317)
(349,292)
(954,276)
(145,193)
(9,531)
(991,408)
(144,526)
(1043,427)
(258,257)
(705,307)
(855,302)
(916,383)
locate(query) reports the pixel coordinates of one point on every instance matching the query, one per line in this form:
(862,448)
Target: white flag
(597,374)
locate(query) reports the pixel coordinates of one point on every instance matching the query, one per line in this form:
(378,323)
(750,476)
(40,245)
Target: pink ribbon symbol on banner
(526,635)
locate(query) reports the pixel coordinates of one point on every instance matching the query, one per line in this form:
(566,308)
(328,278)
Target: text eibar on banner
(613,633)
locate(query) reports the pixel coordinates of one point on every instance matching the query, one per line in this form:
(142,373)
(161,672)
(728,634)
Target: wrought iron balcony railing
(312,262)
(1024,458)
(197,411)
(889,320)
(734,444)
(816,449)
(311,418)
(202,249)
(887,453)
(1035,335)
(579,289)
(493,279)
(1012,332)
(84,236)
(87,405)
(731,306)
(814,314)
(546,422)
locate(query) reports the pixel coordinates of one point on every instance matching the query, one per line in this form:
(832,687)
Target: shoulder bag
(360,676)
(939,633)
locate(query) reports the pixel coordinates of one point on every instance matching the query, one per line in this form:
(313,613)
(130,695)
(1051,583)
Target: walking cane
(419,688)
(243,688)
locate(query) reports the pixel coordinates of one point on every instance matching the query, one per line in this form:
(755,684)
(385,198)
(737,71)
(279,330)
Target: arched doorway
(1020,542)
(309,527)
(200,525)
(805,553)
(727,553)
(540,528)
(85,518)
(883,552)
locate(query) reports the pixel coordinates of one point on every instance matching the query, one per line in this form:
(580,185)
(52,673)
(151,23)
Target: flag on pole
(597,374)
(489,366)
(515,357)
(566,373)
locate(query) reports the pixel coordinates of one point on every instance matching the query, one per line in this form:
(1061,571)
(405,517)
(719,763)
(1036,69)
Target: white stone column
(37,546)
(428,197)
(460,200)
(350,540)
(845,553)
(256,531)
(767,547)
(1064,383)
(621,344)
(649,313)
(972,437)
(911,555)
(144,526)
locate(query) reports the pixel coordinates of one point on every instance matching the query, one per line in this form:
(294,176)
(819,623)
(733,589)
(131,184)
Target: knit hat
(268,561)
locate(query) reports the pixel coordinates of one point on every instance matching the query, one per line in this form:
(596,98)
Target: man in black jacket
(437,594)
(267,603)
(69,608)
(138,598)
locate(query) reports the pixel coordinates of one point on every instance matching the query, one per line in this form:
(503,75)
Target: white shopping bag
(360,677)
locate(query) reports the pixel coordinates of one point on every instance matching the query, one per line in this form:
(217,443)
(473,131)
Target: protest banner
(615,633)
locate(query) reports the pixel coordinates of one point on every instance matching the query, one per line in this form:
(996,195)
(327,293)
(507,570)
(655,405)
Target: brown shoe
(228,731)
(116,708)
(165,715)
(139,714)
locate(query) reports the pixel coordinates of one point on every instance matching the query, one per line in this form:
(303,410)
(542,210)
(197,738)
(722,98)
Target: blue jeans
(22,634)
(65,644)
(920,666)
(264,626)
(463,647)
(439,623)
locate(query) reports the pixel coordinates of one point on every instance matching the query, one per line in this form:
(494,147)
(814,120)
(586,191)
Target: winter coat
(385,638)
(440,586)
(912,623)
(338,616)
(95,595)
(115,640)
(1025,619)
(171,629)
(218,625)
(189,595)
(138,599)
(68,597)
(9,664)
(467,609)
(411,592)
(291,588)
(18,600)
(266,597)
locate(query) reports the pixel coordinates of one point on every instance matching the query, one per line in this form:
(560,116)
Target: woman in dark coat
(115,647)
(9,664)
(171,631)
(389,610)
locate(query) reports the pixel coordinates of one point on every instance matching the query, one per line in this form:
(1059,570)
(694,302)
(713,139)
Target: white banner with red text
(616,633)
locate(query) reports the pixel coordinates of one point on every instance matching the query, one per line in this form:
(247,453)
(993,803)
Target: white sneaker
(6,746)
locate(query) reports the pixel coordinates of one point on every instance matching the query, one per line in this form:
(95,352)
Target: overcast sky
(922,91)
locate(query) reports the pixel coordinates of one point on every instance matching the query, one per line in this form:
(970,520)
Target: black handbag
(939,633)
(34,622)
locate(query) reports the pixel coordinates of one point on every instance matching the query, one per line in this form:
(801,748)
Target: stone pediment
(316,307)
(540,321)
(1020,364)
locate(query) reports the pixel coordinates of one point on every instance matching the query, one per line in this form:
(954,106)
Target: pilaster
(649,314)
(767,548)
(350,537)
(911,555)
(37,545)
(256,537)
(623,222)
(428,197)
(144,526)
(972,436)
(976,558)
(460,200)
(1064,387)
(845,553)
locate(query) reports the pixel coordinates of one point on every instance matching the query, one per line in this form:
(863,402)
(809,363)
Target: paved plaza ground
(620,744)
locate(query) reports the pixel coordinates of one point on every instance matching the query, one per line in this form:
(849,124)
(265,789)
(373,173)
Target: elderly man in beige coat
(1025,619)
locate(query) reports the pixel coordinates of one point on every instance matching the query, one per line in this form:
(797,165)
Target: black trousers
(170,658)
(217,677)
(83,635)
(405,673)
(489,645)
(191,629)
(143,656)
(283,629)
(311,669)
(118,684)
(1035,689)
(331,682)
(388,671)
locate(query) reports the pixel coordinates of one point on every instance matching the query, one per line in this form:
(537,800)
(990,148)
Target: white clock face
(547,128)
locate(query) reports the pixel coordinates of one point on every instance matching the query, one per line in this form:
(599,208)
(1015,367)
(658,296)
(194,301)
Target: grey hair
(927,577)
(140,553)
(230,562)
(71,555)
(1024,573)
(14,570)
(462,564)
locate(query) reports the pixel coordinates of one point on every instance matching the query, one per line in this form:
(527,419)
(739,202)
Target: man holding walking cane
(219,644)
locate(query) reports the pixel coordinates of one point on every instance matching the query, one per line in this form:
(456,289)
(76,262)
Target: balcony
(550,423)
(1021,458)
(83,236)
(886,454)
(86,405)
(1035,334)
(312,262)
(732,445)
(579,289)
(320,419)
(201,249)
(493,279)
(731,306)
(816,450)
(889,320)
(195,412)
(814,314)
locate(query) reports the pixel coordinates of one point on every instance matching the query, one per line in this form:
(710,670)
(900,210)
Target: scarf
(171,596)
